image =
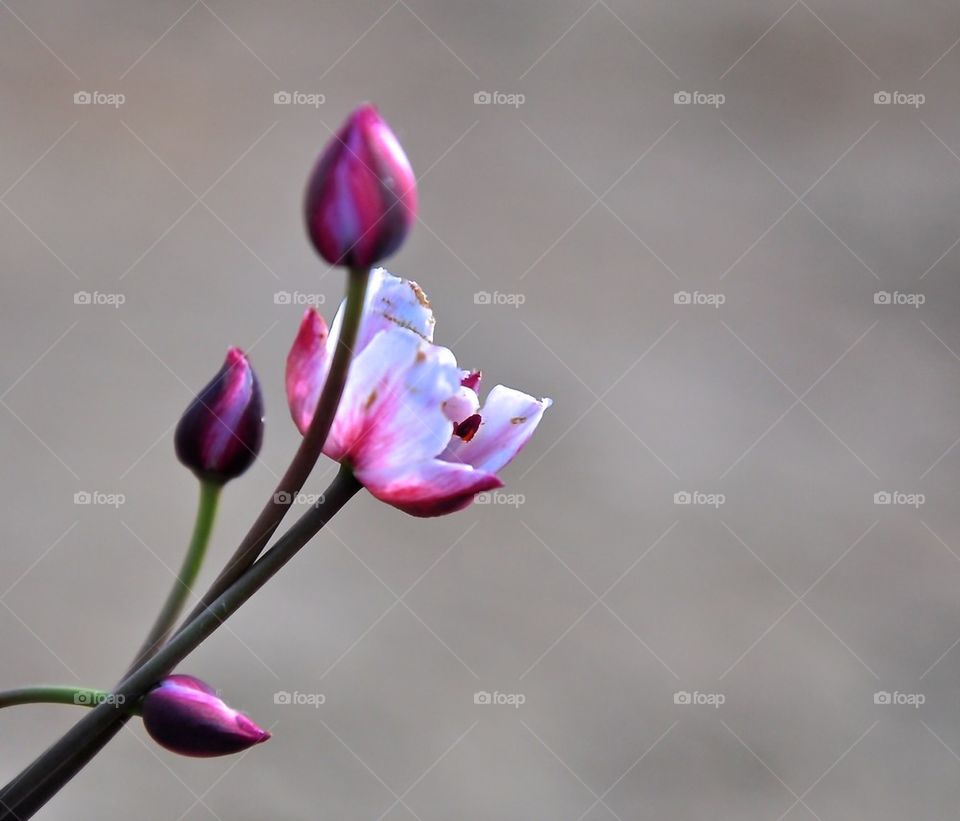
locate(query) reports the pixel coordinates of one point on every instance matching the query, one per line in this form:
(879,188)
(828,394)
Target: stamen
(468,428)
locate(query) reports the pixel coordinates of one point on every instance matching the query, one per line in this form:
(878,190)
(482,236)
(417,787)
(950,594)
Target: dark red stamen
(468,428)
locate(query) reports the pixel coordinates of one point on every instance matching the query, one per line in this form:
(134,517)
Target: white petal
(392,408)
(462,404)
(507,420)
(390,302)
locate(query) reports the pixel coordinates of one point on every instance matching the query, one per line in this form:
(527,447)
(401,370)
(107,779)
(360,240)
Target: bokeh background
(786,394)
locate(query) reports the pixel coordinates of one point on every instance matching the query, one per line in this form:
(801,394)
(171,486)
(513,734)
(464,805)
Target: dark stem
(54,768)
(308,452)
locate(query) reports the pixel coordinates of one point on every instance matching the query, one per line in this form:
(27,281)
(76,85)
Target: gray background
(597,598)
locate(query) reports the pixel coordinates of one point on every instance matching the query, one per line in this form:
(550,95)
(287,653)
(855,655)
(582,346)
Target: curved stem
(308,452)
(42,779)
(189,570)
(55,694)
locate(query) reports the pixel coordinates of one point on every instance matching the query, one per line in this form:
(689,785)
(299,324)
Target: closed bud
(186,716)
(220,433)
(362,197)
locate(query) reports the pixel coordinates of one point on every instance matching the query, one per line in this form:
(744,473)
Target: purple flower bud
(220,433)
(186,716)
(362,196)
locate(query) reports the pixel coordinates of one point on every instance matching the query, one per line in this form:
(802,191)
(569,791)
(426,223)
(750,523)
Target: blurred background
(723,237)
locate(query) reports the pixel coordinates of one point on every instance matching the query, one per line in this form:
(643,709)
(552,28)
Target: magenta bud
(186,716)
(220,433)
(362,196)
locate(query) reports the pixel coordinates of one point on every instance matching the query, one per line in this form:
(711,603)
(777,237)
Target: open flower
(409,424)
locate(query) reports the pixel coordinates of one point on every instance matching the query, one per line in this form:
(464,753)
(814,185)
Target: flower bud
(186,716)
(220,433)
(362,196)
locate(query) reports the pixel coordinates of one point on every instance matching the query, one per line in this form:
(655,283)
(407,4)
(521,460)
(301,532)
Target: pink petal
(430,488)
(471,379)
(508,419)
(307,365)
(392,408)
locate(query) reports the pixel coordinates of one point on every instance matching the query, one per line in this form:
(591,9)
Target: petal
(471,379)
(392,407)
(508,420)
(430,488)
(390,302)
(462,404)
(307,365)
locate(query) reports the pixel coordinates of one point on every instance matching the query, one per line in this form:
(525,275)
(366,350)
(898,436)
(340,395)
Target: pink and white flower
(410,424)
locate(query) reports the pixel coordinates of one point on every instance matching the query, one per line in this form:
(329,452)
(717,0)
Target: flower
(362,196)
(409,425)
(185,715)
(220,433)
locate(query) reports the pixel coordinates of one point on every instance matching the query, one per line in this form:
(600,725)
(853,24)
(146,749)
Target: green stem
(189,570)
(50,771)
(55,694)
(307,454)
